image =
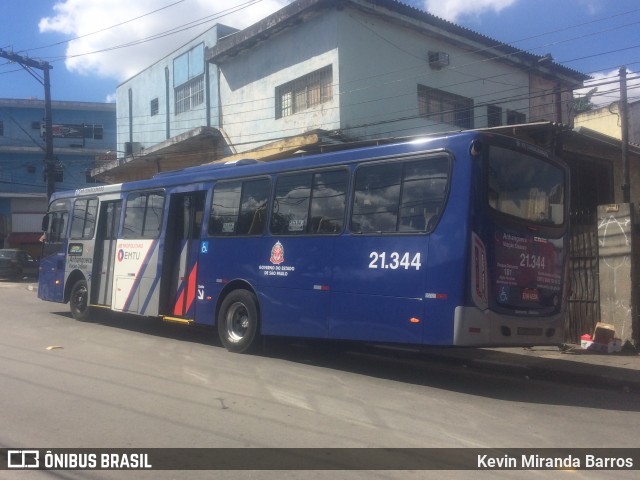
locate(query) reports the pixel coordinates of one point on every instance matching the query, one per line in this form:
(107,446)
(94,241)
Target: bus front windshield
(525,186)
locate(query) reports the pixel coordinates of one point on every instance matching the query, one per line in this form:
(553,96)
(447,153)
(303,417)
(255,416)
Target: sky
(93,46)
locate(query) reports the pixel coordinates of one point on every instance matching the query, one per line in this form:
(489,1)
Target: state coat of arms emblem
(277,254)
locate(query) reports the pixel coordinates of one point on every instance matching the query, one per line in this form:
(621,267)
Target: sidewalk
(571,365)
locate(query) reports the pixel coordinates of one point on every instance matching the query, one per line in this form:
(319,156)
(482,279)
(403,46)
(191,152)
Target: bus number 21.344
(395,260)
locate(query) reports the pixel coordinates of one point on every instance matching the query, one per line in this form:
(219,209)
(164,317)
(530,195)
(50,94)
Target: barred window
(515,118)
(445,107)
(190,95)
(188,79)
(155,106)
(494,116)
(304,92)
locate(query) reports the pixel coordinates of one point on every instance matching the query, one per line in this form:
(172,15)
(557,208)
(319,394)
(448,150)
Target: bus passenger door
(180,258)
(105,253)
(54,253)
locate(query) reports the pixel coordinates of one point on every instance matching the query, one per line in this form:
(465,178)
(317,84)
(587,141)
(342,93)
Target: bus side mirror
(45,223)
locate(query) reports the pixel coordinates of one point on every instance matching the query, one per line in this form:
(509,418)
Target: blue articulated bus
(456,239)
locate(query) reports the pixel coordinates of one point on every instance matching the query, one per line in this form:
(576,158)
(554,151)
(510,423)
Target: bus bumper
(478,328)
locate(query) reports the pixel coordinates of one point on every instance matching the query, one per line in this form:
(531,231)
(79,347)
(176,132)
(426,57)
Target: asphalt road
(130,382)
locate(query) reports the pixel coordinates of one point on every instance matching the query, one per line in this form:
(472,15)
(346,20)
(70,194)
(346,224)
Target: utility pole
(49,160)
(624,122)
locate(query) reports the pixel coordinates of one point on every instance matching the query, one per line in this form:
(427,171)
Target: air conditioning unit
(438,60)
(132,148)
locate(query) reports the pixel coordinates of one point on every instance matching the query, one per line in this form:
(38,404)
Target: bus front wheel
(238,321)
(79,300)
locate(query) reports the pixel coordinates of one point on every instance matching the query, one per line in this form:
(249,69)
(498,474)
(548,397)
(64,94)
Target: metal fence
(584,297)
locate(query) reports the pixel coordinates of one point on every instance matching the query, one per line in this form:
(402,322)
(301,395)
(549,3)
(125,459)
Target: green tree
(584,104)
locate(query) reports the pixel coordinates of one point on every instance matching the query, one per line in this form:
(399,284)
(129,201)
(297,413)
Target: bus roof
(332,155)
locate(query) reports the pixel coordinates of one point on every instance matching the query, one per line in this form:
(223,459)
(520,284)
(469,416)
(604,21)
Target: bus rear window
(525,187)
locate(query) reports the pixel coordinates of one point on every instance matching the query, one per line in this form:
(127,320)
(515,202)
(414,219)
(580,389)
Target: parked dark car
(17,264)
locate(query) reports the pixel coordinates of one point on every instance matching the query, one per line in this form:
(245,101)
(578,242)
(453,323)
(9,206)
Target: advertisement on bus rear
(528,270)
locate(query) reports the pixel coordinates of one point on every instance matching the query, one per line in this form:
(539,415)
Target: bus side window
(310,203)
(400,196)
(239,207)
(377,197)
(291,204)
(83,220)
(328,201)
(58,227)
(143,215)
(424,187)
(253,207)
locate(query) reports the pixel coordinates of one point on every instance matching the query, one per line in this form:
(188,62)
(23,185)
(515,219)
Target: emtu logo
(120,255)
(23,459)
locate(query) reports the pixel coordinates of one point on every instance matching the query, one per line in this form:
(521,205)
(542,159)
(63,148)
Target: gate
(584,298)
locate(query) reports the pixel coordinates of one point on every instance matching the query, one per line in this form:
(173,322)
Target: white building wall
(382,63)
(152,83)
(377,61)
(377,66)
(249,80)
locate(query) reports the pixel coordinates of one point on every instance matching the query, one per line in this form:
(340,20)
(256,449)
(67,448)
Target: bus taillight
(479,272)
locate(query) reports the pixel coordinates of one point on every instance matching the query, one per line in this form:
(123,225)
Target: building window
(1,128)
(190,95)
(155,108)
(304,92)
(445,107)
(515,118)
(95,131)
(494,116)
(188,79)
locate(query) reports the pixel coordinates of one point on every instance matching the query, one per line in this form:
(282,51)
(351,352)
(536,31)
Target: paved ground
(571,364)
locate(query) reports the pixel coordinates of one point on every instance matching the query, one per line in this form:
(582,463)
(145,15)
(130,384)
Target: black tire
(238,321)
(79,300)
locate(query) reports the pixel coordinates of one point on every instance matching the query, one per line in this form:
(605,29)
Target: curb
(556,370)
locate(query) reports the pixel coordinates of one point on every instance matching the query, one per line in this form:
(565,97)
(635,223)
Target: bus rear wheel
(238,321)
(79,300)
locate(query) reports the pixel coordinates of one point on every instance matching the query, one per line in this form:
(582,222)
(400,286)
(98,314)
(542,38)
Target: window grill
(304,92)
(189,95)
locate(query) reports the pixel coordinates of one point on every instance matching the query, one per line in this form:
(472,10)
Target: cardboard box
(604,332)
